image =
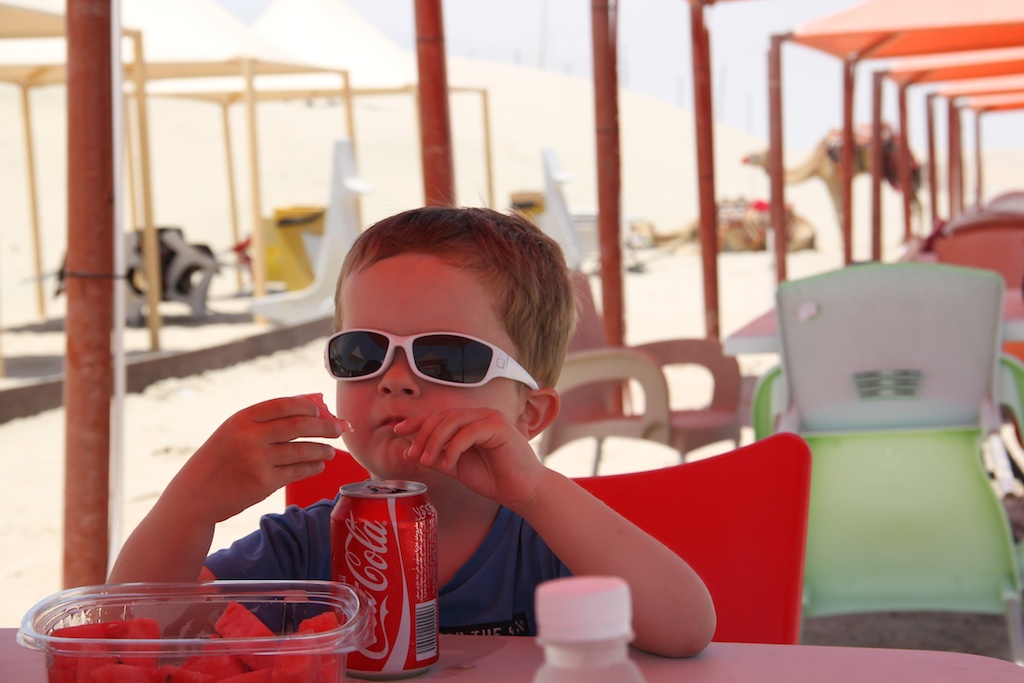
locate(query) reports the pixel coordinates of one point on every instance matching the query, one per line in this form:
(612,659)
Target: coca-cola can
(384,540)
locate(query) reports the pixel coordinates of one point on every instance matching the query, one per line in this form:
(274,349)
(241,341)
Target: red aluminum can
(384,540)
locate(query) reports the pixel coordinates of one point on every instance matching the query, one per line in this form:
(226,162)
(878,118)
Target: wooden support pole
(150,241)
(229,157)
(259,262)
(33,202)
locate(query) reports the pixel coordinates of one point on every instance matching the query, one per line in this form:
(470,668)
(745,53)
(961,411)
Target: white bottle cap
(583,608)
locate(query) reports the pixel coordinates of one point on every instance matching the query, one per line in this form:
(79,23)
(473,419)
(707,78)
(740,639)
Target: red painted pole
(704,120)
(876,166)
(609,209)
(906,184)
(88,371)
(953,131)
(933,185)
(978,170)
(846,161)
(435,124)
(775,157)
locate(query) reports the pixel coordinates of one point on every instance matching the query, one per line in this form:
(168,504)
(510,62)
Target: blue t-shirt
(492,593)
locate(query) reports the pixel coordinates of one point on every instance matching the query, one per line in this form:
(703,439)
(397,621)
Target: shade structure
(21,20)
(964,71)
(979,63)
(1000,102)
(983,86)
(882,29)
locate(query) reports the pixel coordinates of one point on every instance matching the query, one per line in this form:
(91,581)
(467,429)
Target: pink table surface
(760,334)
(497,659)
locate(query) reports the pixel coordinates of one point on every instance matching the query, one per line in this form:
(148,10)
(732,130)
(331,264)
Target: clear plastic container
(186,614)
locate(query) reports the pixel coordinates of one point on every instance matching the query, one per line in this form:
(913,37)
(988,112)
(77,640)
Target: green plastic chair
(892,374)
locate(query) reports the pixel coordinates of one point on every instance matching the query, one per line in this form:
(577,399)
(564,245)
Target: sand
(166,423)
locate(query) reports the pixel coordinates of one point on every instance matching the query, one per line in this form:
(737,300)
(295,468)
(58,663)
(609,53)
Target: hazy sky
(654,55)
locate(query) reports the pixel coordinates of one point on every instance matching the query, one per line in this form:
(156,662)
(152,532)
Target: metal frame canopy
(984,86)
(1008,101)
(974,69)
(19,22)
(879,29)
(883,29)
(958,66)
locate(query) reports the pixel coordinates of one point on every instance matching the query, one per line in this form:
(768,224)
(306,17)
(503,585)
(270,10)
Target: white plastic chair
(341,228)
(890,376)
(584,369)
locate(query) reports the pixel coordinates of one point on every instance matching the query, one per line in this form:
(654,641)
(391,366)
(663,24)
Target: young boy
(475,310)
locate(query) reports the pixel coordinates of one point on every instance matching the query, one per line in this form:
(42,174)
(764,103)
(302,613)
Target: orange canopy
(1003,102)
(983,86)
(959,66)
(879,29)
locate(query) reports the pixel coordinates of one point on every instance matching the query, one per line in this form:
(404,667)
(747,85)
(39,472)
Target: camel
(824,163)
(742,226)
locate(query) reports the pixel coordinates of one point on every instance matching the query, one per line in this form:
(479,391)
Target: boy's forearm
(673,614)
(165,546)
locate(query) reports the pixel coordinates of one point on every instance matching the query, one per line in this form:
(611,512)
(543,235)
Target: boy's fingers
(297,452)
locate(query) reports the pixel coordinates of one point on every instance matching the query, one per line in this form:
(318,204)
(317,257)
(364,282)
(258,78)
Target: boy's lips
(391,420)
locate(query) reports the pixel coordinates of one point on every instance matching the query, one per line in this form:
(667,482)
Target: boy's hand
(479,447)
(254,453)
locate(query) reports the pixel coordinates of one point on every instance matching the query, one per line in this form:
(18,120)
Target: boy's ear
(539,410)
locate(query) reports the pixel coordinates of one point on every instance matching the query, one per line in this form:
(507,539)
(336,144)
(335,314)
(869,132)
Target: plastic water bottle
(584,624)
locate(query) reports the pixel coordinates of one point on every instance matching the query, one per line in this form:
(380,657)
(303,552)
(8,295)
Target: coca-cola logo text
(367,564)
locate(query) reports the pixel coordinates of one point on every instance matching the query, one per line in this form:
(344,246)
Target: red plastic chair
(343,469)
(740,520)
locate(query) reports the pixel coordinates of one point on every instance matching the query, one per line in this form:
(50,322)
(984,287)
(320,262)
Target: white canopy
(331,33)
(31,19)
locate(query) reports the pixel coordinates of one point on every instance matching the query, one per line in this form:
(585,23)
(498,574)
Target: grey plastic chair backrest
(890,345)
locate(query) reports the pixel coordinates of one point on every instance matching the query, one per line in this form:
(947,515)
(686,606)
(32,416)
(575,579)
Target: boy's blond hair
(523,268)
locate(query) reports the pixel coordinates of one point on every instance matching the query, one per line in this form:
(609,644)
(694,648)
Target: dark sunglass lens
(452,359)
(357,354)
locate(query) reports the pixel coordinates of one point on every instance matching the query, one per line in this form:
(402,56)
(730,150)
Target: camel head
(759,159)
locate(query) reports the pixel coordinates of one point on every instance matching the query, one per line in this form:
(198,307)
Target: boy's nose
(399,378)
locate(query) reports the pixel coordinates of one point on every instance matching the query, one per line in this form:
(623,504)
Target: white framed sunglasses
(447,358)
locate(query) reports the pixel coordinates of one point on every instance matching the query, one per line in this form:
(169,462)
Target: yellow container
(530,204)
(287,259)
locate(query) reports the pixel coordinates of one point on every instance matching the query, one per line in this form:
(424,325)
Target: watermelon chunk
(141,628)
(216,666)
(121,673)
(324,412)
(260,676)
(238,622)
(295,668)
(330,669)
(80,669)
(325,621)
(178,674)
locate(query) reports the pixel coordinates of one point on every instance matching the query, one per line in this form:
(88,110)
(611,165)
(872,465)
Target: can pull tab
(381,489)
